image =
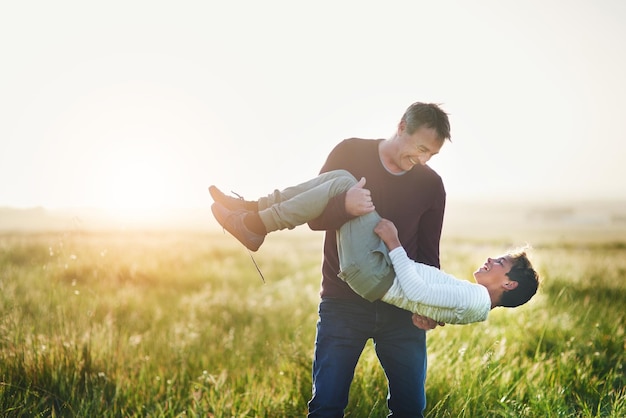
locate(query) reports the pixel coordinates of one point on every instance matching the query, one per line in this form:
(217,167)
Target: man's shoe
(232,203)
(232,221)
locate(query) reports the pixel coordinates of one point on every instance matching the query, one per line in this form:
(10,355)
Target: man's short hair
(427,114)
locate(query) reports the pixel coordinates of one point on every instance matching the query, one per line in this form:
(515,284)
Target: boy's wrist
(396,253)
(393,245)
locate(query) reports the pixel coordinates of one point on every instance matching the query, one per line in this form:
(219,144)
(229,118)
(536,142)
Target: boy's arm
(418,281)
(422,292)
(388,232)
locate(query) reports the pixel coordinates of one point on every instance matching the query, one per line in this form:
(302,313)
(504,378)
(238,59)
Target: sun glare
(136,184)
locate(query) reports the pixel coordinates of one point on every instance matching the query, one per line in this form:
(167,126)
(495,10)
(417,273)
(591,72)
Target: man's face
(417,148)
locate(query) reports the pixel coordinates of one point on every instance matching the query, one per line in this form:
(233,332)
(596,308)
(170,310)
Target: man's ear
(401,127)
(510,285)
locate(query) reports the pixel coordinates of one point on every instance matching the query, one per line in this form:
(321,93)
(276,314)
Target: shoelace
(257,267)
(238,195)
(249,252)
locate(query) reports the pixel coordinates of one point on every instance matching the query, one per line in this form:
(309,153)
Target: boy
(373,262)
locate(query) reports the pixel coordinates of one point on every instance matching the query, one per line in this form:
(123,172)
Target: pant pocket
(370,278)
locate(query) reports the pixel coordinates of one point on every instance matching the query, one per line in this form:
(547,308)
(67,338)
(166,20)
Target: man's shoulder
(364,139)
(430,172)
(425,174)
(359,142)
(352,150)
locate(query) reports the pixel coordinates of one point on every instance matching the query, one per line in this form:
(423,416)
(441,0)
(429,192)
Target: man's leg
(401,349)
(343,328)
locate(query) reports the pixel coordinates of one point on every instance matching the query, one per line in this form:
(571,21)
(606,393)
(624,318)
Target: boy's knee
(346,178)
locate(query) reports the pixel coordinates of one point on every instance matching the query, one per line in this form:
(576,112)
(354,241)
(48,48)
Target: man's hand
(425,323)
(359,200)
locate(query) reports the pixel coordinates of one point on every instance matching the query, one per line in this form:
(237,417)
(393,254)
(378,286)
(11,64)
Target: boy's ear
(510,285)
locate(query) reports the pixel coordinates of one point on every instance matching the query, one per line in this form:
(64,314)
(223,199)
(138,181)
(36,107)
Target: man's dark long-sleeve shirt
(414,201)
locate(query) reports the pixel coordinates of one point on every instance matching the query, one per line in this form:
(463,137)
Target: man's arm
(357,202)
(335,213)
(428,242)
(333,216)
(425,323)
(344,206)
(431,224)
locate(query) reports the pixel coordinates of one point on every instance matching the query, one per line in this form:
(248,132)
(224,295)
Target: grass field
(133,323)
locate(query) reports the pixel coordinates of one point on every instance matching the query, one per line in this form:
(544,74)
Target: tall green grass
(181,324)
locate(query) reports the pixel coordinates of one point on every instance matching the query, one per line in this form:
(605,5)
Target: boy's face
(494,271)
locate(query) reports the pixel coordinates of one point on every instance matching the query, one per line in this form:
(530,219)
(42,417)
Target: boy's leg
(364,258)
(279,196)
(299,204)
(232,203)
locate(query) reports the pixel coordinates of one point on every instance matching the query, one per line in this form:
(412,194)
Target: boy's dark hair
(527,281)
(427,114)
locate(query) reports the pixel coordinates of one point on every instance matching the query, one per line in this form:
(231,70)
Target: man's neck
(386,150)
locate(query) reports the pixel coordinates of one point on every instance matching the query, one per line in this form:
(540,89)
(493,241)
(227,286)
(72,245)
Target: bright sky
(144,104)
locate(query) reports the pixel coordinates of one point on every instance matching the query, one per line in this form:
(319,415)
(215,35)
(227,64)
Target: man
(410,194)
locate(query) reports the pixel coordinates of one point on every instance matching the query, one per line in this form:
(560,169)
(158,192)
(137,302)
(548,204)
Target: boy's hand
(388,232)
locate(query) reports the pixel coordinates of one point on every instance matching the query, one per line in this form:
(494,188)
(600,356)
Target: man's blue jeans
(343,328)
